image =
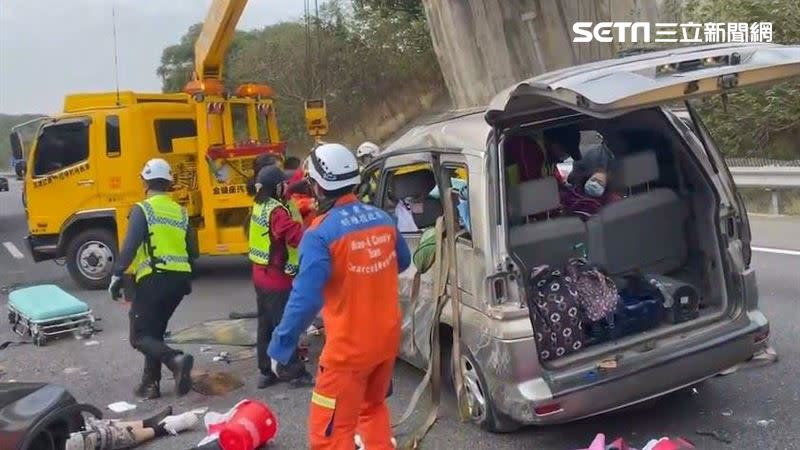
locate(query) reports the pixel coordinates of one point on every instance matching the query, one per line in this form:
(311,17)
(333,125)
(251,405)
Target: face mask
(593,188)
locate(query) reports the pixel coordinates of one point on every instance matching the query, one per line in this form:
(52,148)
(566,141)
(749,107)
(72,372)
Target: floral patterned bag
(562,301)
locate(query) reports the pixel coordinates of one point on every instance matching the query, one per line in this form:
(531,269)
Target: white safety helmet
(367,149)
(157,169)
(333,167)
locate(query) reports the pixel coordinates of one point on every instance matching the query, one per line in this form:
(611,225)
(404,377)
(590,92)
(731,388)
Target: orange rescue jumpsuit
(350,260)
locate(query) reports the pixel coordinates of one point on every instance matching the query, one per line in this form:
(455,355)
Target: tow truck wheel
(90,258)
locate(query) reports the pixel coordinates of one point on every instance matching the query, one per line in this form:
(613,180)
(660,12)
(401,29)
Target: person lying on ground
(105,434)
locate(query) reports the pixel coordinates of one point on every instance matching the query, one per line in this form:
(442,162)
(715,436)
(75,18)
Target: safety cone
(252,426)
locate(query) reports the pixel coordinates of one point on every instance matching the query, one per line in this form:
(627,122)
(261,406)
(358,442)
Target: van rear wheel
(90,257)
(482,410)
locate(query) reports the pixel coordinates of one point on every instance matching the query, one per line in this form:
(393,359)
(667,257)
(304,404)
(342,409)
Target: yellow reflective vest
(259,238)
(165,249)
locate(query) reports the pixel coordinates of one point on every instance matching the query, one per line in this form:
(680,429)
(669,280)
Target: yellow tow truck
(82,174)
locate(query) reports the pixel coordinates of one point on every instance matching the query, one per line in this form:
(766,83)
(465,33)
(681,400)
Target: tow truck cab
(82,175)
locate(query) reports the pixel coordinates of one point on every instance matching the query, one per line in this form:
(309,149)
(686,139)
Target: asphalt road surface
(734,406)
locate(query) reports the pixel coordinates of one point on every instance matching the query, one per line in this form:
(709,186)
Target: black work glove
(115,287)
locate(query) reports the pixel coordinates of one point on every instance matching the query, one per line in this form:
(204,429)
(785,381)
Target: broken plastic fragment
(765,423)
(121,407)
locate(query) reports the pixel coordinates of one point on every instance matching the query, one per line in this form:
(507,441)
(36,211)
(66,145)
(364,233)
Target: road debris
(206,349)
(763,358)
(215,383)
(727,413)
(254,421)
(716,435)
(7,344)
(72,370)
(121,407)
(765,423)
(695,391)
(223,357)
(91,343)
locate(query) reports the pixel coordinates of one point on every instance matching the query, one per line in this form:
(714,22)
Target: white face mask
(594,188)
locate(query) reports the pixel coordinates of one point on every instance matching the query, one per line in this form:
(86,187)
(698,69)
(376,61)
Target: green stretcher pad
(45,302)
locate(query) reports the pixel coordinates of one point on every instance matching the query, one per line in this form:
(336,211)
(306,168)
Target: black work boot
(303,380)
(181,366)
(148,389)
(296,375)
(267,379)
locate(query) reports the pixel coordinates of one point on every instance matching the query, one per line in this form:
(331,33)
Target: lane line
(777,251)
(13,250)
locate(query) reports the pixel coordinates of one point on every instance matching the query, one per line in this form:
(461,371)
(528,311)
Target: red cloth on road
(282,231)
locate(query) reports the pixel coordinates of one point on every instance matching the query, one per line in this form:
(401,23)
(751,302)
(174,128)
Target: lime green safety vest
(260,242)
(165,249)
(294,211)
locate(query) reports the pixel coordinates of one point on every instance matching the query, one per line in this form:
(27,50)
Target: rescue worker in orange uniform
(350,259)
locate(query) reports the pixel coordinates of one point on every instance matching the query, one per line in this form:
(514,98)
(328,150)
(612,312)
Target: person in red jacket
(351,257)
(273,238)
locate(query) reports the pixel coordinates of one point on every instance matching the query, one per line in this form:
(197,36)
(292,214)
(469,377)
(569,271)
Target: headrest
(636,169)
(431,210)
(413,184)
(535,196)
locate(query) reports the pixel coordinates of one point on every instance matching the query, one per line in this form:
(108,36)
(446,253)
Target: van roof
(454,130)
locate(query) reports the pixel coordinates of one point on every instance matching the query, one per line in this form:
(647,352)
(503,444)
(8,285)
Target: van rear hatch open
(614,87)
(610,89)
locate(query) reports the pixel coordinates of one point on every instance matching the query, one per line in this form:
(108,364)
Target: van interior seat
(644,231)
(550,241)
(419,184)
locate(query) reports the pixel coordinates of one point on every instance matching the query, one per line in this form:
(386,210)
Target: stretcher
(45,311)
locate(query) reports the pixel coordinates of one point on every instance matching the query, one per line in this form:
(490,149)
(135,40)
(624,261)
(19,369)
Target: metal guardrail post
(774,207)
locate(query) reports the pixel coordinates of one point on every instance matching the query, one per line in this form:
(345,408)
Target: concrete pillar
(484,46)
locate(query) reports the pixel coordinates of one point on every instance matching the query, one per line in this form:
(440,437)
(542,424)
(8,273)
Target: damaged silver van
(676,216)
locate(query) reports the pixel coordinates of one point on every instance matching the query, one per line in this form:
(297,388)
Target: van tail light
(546,410)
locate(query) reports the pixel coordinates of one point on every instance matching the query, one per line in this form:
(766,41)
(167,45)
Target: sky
(49,48)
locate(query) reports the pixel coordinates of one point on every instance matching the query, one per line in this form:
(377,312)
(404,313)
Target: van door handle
(85,182)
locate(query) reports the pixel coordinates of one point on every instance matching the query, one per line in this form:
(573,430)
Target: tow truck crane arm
(215,38)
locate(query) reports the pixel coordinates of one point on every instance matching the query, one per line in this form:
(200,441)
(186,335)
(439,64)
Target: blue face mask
(593,188)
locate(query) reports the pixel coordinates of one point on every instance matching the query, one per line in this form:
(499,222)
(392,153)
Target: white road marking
(778,251)
(13,250)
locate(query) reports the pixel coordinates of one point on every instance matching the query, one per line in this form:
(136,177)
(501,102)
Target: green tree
(177,61)
(7,122)
(755,122)
(354,55)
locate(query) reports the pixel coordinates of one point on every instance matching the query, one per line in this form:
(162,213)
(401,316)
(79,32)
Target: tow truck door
(61,174)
